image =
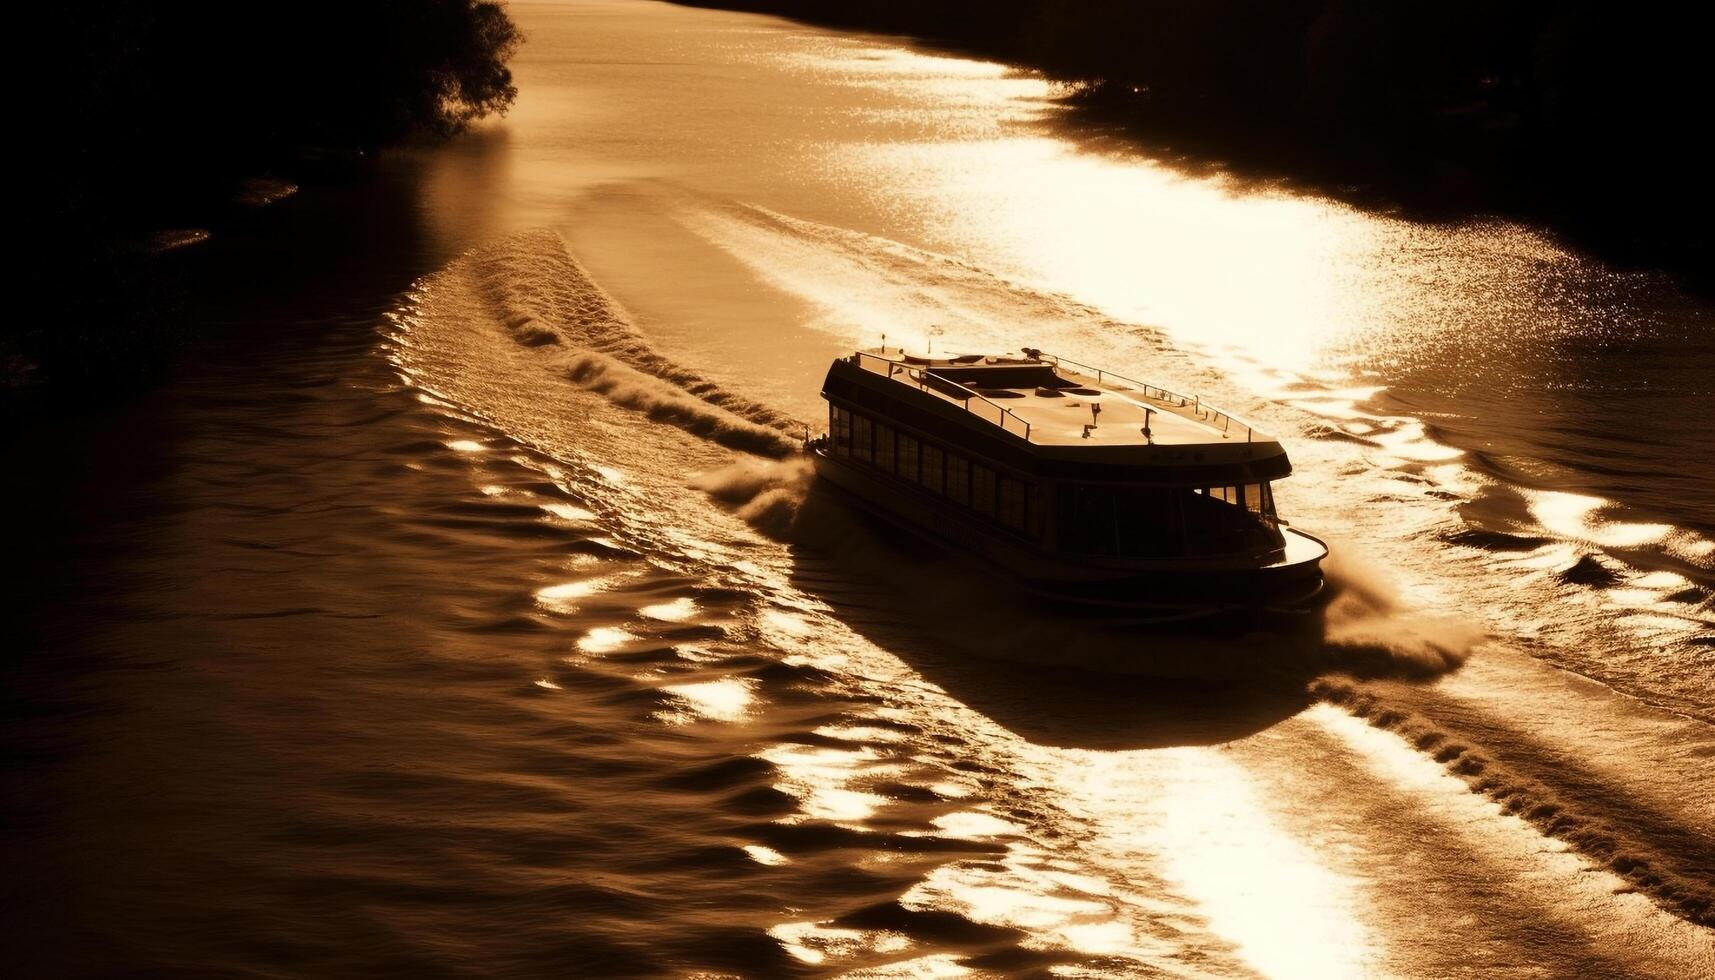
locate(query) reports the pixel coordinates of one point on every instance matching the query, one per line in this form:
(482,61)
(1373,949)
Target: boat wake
(1377,630)
(517,336)
(532,288)
(1643,864)
(1614,581)
(768,495)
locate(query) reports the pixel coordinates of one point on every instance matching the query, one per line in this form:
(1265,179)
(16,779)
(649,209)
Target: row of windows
(1091,519)
(997,497)
(1254,497)
(1165,522)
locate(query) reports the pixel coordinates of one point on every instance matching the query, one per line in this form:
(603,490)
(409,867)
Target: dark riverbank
(1573,116)
(188,118)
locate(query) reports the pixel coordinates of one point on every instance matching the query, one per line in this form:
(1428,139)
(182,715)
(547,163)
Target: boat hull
(1142,590)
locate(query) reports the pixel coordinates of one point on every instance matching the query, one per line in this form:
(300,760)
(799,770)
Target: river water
(455,610)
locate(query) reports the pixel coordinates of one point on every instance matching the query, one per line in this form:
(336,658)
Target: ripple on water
(727,699)
(567,598)
(675,611)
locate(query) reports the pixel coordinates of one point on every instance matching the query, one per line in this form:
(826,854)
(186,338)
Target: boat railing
(1229,425)
(973,401)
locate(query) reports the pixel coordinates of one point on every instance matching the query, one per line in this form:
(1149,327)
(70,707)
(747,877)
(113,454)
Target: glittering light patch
(1575,515)
(818,778)
(604,639)
(1633,598)
(1661,580)
(789,623)
(723,700)
(920,968)
(860,733)
(697,653)
(1020,895)
(676,611)
(1276,899)
(546,684)
(1410,440)
(973,825)
(817,942)
(812,942)
(1025,908)
(764,855)
(466,446)
(1098,937)
(843,806)
(568,512)
(564,597)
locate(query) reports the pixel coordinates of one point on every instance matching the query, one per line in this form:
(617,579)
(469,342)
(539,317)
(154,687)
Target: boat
(1078,484)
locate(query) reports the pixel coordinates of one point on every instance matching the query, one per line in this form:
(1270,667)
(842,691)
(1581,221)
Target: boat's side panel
(1137,583)
(910,408)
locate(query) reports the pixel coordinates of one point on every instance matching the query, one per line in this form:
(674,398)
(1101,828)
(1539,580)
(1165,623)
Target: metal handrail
(917,373)
(1207,413)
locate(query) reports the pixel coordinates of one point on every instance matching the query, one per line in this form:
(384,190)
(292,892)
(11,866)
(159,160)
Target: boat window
(1163,521)
(1086,521)
(1259,500)
(884,447)
(932,468)
(1224,521)
(959,479)
(1012,503)
(841,428)
(982,489)
(907,457)
(862,433)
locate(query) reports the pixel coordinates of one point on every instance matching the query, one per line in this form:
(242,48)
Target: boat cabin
(1059,456)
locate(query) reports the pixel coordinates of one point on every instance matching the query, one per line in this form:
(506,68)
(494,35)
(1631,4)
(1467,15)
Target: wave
(1641,866)
(531,287)
(1370,628)
(661,401)
(868,286)
(768,495)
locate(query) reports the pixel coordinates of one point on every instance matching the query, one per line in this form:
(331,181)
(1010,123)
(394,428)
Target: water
(455,611)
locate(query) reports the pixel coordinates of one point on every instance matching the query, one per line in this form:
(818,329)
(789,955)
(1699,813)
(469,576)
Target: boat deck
(1054,402)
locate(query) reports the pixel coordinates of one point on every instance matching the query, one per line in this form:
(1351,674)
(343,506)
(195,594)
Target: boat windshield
(1142,522)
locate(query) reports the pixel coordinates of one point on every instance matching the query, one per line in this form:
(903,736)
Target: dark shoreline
(195,116)
(1473,160)
(137,292)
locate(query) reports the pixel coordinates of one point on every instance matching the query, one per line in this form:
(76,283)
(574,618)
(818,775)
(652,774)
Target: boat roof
(1051,401)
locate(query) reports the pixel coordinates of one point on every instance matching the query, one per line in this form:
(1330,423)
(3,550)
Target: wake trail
(531,291)
(531,287)
(1620,848)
